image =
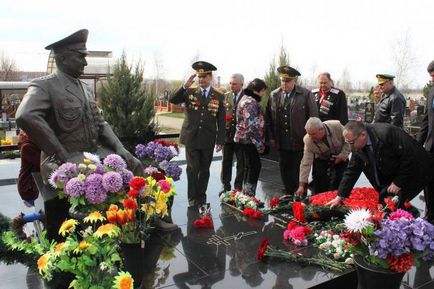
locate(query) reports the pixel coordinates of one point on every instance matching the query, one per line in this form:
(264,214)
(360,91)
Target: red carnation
(407,205)
(390,204)
(205,222)
(130,204)
(401,263)
(133,193)
(298,212)
(229,117)
(260,255)
(138,183)
(274,202)
(158,176)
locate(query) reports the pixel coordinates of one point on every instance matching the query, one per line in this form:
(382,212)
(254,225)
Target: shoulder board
(50,76)
(315,90)
(334,90)
(218,90)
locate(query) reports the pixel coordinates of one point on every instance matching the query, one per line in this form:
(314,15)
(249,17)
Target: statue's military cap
(74,42)
(382,78)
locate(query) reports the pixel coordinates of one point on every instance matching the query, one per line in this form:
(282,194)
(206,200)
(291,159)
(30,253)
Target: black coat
(400,159)
(333,106)
(391,108)
(425,135)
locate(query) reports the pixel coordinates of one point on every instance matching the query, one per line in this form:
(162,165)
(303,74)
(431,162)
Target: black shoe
(161,225)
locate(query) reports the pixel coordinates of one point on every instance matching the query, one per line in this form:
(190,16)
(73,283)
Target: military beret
(382,78)
(287,72)
(74,42)
(203,67)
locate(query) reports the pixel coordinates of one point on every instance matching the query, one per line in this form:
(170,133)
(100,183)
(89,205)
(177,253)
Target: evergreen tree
(272,78)
(427,88)
(127,105)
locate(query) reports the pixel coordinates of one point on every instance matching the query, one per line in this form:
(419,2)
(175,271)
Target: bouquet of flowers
(147,198)
(397,241)
(92,185)
(239,200)
(157,154)
(90,255)
(334,245)
(297,234)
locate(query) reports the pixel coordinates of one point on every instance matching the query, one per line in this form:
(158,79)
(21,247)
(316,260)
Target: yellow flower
(87,161)
(67,227)
(123,281)
(82,166)
(94,217)
(91,167)
(81,247)
(161,209)
(149,210)
(43,262)
(58,248)
(81,177)
(107,229)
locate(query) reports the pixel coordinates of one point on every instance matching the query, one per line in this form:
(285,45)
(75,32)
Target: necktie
(204,93)
(286,99)
(371,158)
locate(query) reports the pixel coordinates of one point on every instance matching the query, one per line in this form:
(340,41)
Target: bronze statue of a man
(60,115)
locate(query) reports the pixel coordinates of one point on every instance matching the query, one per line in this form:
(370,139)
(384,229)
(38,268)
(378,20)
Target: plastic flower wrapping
(157,155)
(90,185)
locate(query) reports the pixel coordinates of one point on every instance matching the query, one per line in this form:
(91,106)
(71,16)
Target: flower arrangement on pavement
(239,200)
(297,234)
(397,241)
(92,185)
(334,245)
(157,155)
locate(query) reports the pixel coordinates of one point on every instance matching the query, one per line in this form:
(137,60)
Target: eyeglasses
(353,141)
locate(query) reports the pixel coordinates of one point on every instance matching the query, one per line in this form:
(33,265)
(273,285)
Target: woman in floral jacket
(250,134)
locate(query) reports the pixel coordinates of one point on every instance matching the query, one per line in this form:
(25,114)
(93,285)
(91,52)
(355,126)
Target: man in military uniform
(203,128)
(332,102)
(391,107)
(230,148)
(288,109)
(425,137)
(60,115)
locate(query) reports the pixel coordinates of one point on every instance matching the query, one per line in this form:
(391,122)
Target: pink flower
(400,214)
(164,185)
(286,235)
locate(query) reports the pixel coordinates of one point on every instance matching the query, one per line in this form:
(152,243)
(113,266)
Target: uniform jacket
(250,123)
(332,106)
(400,159)
(231,109)
(61,117)
(302,106)
(204,122)
(336,146)
(391,108)
(425,135)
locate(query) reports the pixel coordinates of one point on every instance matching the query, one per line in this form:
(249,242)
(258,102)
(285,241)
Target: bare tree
(403,59)
(8,68)
(344,82)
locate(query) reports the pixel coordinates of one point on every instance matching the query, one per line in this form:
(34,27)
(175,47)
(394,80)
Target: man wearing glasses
(203,128)
(288,109)
(426,137)
(393,161)
(391,107)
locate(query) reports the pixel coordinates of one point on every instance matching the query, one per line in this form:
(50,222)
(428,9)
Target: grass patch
(174,114)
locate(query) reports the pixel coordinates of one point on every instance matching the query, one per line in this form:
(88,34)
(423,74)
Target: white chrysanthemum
(94,158)
(349,261)
(357,220)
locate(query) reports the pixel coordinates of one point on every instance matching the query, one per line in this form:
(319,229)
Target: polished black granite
(222,257)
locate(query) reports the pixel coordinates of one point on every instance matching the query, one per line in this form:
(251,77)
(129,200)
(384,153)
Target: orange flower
(131,215)
(113,208)
(121,217)
(111,216)
(43,262)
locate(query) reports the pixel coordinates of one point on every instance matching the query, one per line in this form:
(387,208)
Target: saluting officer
(392,103)
(203,127)
(331,101)
(230,148)
(288,109)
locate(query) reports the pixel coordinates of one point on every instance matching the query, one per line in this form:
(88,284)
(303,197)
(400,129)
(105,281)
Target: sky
(360,37)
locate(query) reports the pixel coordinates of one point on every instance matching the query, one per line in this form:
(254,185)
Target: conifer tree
(127,105)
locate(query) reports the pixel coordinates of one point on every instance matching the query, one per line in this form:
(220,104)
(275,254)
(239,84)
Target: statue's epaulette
(45,77)
(334,90)
(316,90)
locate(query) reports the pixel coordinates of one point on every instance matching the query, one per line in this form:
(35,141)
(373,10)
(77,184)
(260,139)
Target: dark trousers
(253,167)
(289,162)
(326,175)
(429,192)
(229,149)
(198,163)
(56,212)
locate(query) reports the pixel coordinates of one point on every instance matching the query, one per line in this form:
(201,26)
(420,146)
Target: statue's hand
(133,163)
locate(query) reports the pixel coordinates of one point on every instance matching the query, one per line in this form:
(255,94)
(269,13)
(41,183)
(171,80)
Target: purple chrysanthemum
(127,176)
(162,153)
(99,169)
(112,182)
(150,170)
(95,192)
(140,151)
(75,187)
(171,170)
(115,162)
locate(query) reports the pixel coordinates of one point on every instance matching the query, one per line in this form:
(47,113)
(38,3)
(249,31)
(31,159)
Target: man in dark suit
(230,147)
(61,117)
(391,107)
(288,109)
(203,128)
(331,101)
(426,137)
(393,161)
